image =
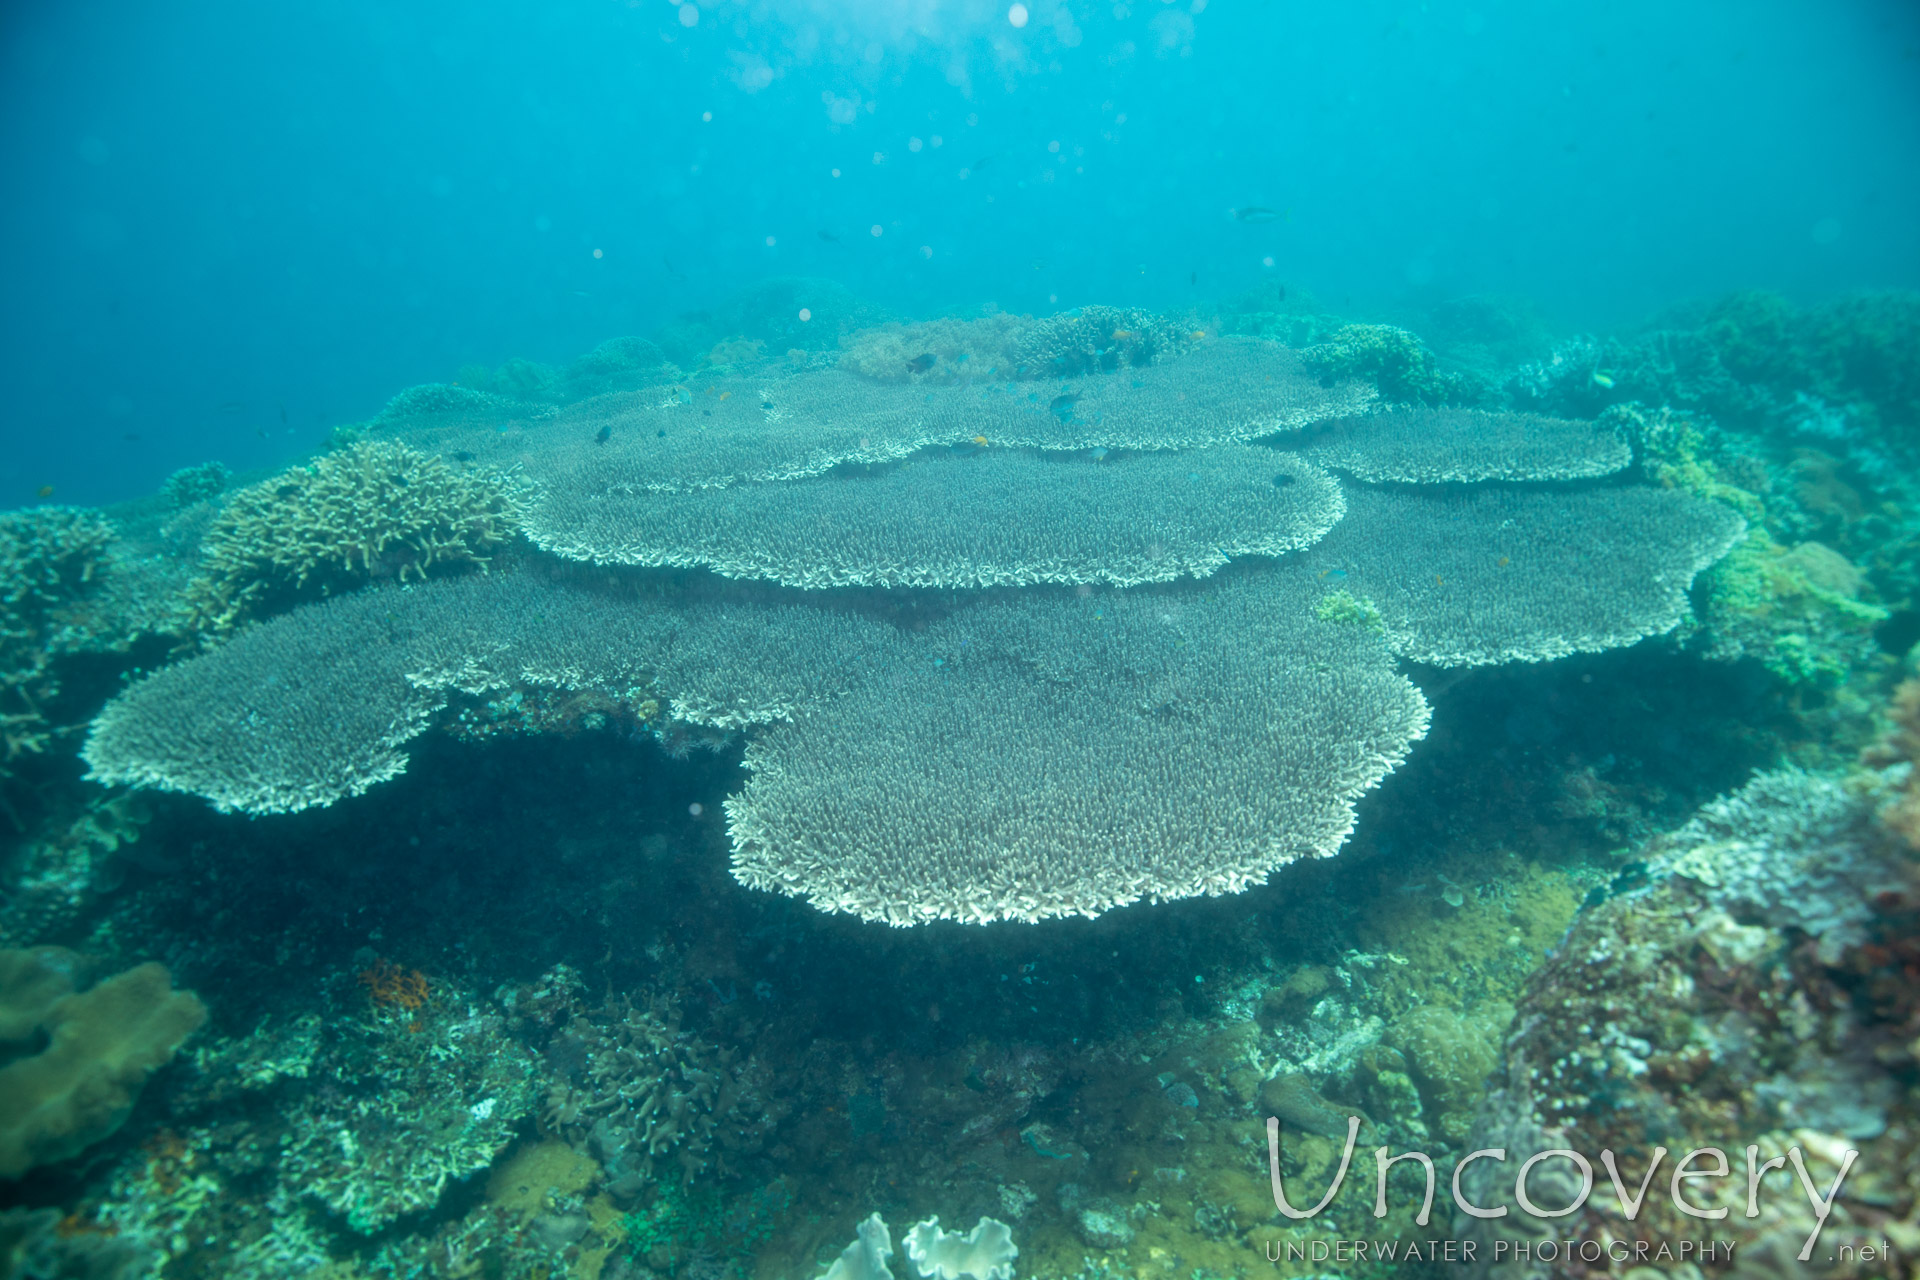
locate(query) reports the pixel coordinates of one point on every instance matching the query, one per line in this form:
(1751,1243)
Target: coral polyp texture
(1001,518)
(1433,446)
(1498,574)
(1061,756)
(319,704)
(723,430)
(377,510)
(1094,728)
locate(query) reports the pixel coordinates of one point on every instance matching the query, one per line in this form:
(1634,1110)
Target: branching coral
(49,559)
(196,484)
(643,1092)
(373,511)
(1398,362)
(1099,340)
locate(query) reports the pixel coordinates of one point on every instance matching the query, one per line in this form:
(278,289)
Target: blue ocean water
(231,227)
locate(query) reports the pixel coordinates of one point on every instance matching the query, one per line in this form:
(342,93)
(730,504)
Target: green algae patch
(1345,607)
(1799,611)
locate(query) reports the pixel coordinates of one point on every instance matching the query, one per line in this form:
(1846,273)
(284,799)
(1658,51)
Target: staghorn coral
(51,559)
(1099,339)
(373,511)
(1434,446)
(1001,518)
(645,1095)
(941,352)
(101,1046)
(1501,575)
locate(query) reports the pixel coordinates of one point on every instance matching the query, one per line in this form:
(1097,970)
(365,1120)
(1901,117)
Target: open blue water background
(228,226)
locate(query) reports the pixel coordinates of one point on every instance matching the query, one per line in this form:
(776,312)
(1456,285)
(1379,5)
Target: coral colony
(1586,658)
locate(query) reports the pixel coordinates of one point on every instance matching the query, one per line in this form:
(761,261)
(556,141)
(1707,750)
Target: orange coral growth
(393,987)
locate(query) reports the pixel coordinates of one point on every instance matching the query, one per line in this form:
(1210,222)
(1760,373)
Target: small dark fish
(283,415)
(981,163)
(45,491)
(660,434)
(131,437)
(1283,293)
(1062,407)
(604,434)
(1193,277)
(921,363)
(1256,213)
(461,455)
(1282,480)
(829,236)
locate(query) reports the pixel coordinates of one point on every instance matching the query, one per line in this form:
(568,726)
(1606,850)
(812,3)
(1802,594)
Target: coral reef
(1503,575)
(618,364)
(1009,518)
(1435,446)
(201,483)
(101,1045)
(771,313)
(375,511)
(40,1244)
(739,429)
(1746,987)
(941,352)
(1099,339)
(968,809)
(644,1096)
(1900,749)
(51,559)
(1279,313)
(1397,361)
(1799,611)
